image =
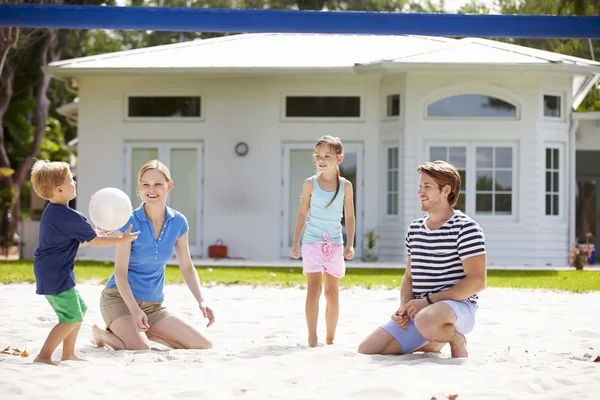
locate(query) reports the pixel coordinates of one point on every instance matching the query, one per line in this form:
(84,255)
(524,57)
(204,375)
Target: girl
(324,195)
(132,302)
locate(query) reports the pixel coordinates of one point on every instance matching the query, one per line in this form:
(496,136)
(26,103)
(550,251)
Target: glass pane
(392,206)
(348,170)
(555,204)
(390,181)
(483,203)
(548,181)
(485,157)
(301,167)
(548,204)
(458,157)
(393,105)
(164,106)
(396,161)
(184,172)
(552,106)
(503,157)
(322,106)
(555,182)
(503,180)
(503,203)
(394,181)
(139,157)
(438,153)
(463,179)
(555,157)
(472,105)
(460,204)
(484,180)
(548,158)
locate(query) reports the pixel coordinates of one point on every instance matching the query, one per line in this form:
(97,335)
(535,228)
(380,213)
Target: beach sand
(526,345)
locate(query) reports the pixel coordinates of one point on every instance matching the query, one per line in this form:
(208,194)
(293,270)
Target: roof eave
(559,67)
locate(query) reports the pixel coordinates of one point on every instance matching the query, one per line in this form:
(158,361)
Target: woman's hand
(208,313)
(140,320)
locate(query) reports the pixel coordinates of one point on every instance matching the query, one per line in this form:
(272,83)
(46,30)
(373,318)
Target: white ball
(110,208)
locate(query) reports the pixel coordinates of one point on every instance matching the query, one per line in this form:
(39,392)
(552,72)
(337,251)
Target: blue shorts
(410,339)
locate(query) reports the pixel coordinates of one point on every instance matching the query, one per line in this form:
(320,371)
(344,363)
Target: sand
(526,345)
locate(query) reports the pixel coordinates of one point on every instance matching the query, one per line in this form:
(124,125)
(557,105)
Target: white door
(184,160)
(298,165)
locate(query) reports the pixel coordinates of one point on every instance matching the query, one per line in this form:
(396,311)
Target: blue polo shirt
(62,229)
(148,258)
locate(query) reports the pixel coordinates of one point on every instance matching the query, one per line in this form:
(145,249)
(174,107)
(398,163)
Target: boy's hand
(129,236)
(349,253)
(295,251)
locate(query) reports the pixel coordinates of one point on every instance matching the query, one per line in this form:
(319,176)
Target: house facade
(236,119)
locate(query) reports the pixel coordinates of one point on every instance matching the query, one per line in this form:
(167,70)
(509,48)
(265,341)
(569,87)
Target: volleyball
(110,208)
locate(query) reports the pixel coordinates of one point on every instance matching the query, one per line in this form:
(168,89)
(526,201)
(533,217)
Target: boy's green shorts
(68,306)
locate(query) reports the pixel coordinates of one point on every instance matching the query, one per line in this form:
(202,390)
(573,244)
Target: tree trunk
(48,54)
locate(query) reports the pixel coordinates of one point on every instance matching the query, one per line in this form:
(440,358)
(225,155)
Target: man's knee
(137,346)
(366,347)
(427,325)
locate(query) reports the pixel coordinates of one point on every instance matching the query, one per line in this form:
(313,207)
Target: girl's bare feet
(313,341)
(329,340)
(45,361)
(72,357)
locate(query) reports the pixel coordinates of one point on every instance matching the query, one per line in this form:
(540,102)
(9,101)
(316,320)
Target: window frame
(127,118)
(561,181)
(386,148)
(475,92)
(470,184)
(285,118)
(385,115)
(545,117)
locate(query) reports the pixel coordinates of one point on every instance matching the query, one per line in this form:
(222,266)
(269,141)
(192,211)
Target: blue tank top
(322,219)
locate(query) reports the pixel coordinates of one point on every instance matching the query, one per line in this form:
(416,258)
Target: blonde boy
(62,230)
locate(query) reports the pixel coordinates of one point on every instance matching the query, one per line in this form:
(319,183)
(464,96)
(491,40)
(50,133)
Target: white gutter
(572,181)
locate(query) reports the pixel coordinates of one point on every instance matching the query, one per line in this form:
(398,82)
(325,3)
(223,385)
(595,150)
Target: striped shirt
(436,255)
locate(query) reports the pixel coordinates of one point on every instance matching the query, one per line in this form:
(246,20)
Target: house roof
(315,51)
(298,53)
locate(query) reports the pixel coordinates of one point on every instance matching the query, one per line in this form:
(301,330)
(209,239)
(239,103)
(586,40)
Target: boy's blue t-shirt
(149,256)
(62,229)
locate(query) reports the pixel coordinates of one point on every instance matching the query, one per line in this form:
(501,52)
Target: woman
(132,301)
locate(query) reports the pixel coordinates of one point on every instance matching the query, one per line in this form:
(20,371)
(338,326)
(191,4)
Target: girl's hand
(295,251)
(140,320)
(208,313)
(349,253)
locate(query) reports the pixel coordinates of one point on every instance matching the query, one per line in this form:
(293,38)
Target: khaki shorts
(112,306)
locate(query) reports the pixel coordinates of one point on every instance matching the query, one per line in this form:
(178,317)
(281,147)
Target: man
(446,269)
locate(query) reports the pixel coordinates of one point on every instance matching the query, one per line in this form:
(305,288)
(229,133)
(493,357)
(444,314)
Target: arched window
(472,106)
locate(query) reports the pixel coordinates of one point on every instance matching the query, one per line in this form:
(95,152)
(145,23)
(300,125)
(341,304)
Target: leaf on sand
(25,353)
(597,359)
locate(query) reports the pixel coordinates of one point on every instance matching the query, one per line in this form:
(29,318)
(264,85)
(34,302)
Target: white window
(392,195)
(472,106)
(487,176)
(392,105)
(552,177)
(552,106)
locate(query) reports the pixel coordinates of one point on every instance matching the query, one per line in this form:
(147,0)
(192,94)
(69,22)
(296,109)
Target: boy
(62,229)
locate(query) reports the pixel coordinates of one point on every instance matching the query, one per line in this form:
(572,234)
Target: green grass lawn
(572,281)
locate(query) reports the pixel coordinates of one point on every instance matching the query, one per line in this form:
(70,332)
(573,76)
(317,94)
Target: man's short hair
(443,174)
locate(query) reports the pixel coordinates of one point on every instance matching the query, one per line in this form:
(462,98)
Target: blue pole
(288,21)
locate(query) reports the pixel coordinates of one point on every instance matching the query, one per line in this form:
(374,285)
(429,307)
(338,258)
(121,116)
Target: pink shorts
(325,257)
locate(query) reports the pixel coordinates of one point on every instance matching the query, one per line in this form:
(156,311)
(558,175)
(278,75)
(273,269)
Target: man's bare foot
(313,341)
(72,357)
(329,340)
(458,347)
(102,338)
(45,361)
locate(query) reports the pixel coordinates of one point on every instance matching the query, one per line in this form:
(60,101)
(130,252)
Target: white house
(502,114)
